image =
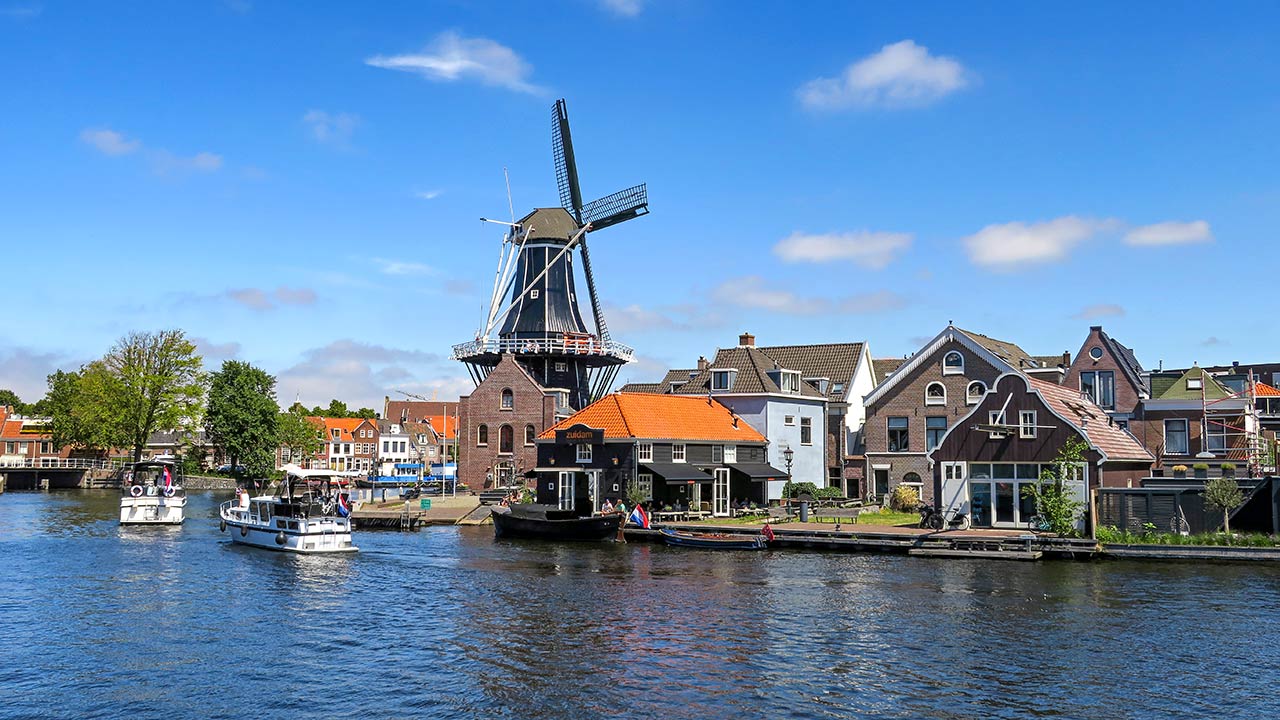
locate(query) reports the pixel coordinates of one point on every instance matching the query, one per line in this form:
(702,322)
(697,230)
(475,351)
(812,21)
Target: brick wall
(531,405)
(1126,394)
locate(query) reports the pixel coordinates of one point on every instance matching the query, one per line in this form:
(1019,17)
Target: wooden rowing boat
(714,541)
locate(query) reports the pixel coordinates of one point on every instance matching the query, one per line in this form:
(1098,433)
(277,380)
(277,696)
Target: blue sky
(298,185)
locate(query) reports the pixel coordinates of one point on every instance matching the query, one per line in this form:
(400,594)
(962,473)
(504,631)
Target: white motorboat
(310,514)
(153,494)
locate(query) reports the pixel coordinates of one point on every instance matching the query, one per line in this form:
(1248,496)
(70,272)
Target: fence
(56,463)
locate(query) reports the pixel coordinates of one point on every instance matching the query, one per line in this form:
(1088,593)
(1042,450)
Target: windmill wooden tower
(533,311)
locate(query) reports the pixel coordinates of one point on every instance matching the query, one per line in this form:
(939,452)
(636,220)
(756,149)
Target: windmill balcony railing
(567,345)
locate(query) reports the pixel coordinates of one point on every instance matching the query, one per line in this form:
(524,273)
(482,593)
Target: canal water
(102,621)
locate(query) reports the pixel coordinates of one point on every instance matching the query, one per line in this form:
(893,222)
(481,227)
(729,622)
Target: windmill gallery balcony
(587,346)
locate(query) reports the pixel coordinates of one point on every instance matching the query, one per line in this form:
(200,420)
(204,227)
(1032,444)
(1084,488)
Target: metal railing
(56,463)
(567,345)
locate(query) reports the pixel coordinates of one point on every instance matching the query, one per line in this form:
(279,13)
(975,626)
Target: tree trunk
(1226,522)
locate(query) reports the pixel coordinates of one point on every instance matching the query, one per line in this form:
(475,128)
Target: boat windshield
(148,474)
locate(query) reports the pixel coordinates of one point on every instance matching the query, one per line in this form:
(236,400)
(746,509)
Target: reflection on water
(448,622)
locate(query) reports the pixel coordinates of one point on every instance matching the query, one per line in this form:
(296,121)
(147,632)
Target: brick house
(499,422)
(27,440)
(1193,418)
(351,444)
(913,407)
(982,472)
(1109,374)
(682,451)
(441,414)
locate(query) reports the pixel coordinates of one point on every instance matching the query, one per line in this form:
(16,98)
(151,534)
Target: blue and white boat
(310,514)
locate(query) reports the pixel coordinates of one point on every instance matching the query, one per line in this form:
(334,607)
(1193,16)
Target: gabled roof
(1262,389)
(1178,390)
(1091,420)
(641,388)
(975,342)
(753,367)
(1127,360)
(837,362)
(414,429)
(882,368)
(416,410)
(675,417)
(1013,355)
(346,427)
(384,426)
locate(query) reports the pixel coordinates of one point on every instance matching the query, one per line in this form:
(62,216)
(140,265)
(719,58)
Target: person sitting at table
(607,507)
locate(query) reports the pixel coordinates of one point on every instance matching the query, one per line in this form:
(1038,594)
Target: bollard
(804,511)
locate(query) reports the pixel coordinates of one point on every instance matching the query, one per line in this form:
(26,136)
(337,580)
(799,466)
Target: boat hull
(153,510)
(507,524)
(710,541)
(308,536)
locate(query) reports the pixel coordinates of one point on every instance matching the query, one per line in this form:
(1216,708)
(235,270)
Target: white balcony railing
(55,463)
(585,345)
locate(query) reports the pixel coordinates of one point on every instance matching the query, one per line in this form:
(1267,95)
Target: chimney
(746,340)
(1066,358)
(703,363)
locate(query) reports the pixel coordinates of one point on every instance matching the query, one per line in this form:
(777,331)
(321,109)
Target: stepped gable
(673,417)
(1107,437)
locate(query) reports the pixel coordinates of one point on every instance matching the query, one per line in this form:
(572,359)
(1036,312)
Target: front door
(720,493)
(953,488)
(593,490)
(566,490)
(695,497)
(880,482)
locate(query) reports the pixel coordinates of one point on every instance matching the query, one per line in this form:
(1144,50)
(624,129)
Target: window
(1027,424)
(721,379)
(286,454)
(1100,387)
(789,420)
(806,431)
(533,294)
(975,392)
(386,446)
(1175,437)
(717,454)
(996,417)
(934,429)
(935,394)
(898,441)
(335,433)
(508,399)
(506,440)
(529,434)
(789,382)
(583,453)
(482,435)
(677,453)
(913,480)
(11,447)
(953,363)
(730,454)
(1096,353)
(562,367)
(562,399)
(1215,435)
(838,388)
(46,448)
(645,480)
(644,452)
(1195,383)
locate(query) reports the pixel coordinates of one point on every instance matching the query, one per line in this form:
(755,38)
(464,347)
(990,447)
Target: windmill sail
(566,166)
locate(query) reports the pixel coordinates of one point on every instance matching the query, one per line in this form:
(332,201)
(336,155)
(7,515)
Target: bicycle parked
(936,520)
(1038,523)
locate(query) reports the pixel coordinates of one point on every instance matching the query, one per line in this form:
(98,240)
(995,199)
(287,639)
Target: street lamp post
(787,456)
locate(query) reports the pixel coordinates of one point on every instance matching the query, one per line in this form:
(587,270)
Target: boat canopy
(299,472)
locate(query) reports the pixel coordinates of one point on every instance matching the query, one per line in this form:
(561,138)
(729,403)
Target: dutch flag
(639,517)
(343,509)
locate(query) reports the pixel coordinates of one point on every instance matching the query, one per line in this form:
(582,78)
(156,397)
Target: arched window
(482,435)
(508,399)
(529,434)
(953,363)
(976,390)
(506,439)
(911,479)
(935,394)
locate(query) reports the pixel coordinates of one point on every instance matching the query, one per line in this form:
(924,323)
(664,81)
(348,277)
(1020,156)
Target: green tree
(365,413)
(298,434)
(1224,494)
(337,409)
(146,382)
(79,420)
(241,415)
(10,398)
(1053,499)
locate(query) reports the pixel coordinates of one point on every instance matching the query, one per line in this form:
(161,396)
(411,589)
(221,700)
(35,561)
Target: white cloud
(360,374)
(1213,341)
(869,249)
(166,162)
(257,299)
(1170,233)
(428,194)
(402,267)
(1017,244)
(624,8)
(25,370)
(213,352)
(451,57)
(331,129)
(754,293)
(109,142)
(900,75)
(1101,310)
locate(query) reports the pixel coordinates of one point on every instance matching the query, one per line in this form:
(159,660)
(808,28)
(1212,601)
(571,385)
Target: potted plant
(1202,470)
(1179,471)
(1228,470)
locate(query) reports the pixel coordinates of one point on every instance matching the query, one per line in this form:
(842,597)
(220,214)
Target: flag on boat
(344,509)
(168,479)
(767,532)
(639,517)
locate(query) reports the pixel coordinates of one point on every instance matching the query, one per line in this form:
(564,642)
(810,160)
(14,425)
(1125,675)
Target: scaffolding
(1231,429)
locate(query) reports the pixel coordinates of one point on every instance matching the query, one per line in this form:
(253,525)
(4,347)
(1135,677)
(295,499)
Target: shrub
(1200,467)
(904,498)
(828,493)
(796,489)
(1180,469)
(1223,493)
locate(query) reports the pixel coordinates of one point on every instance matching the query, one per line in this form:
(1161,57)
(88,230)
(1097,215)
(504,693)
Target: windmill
(533,309)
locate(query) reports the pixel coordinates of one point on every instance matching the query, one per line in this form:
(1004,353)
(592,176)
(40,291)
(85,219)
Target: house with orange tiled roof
(686,452)
(350,443)
(1013,434)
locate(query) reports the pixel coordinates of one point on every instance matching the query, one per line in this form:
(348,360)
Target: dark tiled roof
(1128,361)
(753,366)
(884,367)
(1006,351)
(641,388)
(1048,361)
(414,429)
(834,361)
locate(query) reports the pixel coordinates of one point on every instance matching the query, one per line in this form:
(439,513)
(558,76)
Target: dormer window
(788,381)
(1195,384)
(722,380)
(935,394)
(953,363)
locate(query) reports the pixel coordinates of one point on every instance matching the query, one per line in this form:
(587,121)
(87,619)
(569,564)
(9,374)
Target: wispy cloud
(1212,341)
(402,267)
(109,142)
(362,373)
(753,292)
(623,8)
(165,162)
(213,352)
(1017,244)
(899,75)
(262,300)
(451,57)
(331,129)
(21,12)
(1170,233)
(1101,310)
(428,194)
(869,249)
(24,370)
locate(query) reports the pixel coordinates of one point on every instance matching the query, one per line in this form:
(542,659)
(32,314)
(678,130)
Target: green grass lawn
(889,517)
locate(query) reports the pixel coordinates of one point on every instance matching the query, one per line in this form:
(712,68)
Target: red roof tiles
(675,417)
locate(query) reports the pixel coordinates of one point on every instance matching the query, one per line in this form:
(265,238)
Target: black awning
(677,472)
(759,471)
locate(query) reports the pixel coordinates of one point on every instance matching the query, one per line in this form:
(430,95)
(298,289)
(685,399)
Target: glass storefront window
(1004,502)
(1028,471)
(980,503)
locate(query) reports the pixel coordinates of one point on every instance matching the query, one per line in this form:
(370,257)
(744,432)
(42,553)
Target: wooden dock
(410,517)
